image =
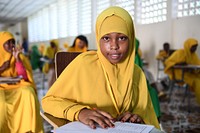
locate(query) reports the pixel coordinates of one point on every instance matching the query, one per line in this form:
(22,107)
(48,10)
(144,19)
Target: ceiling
(13,11)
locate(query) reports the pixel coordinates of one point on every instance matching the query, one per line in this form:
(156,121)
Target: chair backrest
(62,59)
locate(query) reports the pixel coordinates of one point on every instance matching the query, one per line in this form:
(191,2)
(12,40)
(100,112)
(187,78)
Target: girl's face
(81,44)
(114,46)
(193,48)
(9,45)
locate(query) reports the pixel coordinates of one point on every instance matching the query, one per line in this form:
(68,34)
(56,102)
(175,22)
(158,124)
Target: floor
(175,116)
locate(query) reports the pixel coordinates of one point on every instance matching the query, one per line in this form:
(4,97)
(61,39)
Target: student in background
(183,57)
(80,44)
(19,105)
(25,46)
(161,57)
(41,48)
(165,53)
(49,65)
(104,85)
(35,58)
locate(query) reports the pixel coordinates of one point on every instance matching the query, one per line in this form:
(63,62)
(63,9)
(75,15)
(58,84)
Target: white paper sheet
(78,127)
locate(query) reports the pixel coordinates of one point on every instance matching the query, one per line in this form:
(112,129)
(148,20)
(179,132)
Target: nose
(114,45)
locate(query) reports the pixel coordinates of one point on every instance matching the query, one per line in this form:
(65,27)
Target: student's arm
(5,66)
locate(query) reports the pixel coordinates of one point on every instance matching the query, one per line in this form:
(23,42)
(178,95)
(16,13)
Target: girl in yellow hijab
(19,105)
(48,67)
(105,85)
(80,44)
(186,56)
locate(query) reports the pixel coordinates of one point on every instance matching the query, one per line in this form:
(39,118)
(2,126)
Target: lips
(114,56)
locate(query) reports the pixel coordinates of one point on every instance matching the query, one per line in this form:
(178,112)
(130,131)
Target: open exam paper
(78,127)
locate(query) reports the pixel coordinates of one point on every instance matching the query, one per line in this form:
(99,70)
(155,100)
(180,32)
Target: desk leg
(171,87)
(43,83)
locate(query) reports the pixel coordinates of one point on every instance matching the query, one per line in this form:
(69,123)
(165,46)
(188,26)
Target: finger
(133,119)
(100,121)
(109,123)
(91,123)
(126,117)
(105,114)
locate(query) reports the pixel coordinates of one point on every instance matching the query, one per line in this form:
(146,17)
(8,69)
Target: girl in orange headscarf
(186,56)
(105,85)
(19,105)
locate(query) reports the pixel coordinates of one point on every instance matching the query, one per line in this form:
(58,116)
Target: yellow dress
(91,81)
(184,55)
(19,105)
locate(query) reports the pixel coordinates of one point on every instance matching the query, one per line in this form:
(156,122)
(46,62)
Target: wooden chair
(62,59)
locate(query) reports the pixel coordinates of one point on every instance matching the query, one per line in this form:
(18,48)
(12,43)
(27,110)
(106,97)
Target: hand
(16,52)
(129,117)
(5,65)
(92,117)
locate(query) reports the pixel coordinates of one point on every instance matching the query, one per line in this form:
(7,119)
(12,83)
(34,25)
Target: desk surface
(6,80)
(187,66)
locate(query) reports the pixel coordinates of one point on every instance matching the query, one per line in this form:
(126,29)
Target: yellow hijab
(91,81)
(118,76)
(11,72)
(49,51)
(182,55)
(191,58)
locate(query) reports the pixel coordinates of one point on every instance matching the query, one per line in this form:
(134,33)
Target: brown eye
(123,38)
(105,38)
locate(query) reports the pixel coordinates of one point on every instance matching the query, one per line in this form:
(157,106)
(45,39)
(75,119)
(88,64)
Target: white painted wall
(151,36)
(174,31)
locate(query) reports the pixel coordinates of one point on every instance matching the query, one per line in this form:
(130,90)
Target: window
(62,18)
(101,5)
(53,23)
(151,11)
(188,8)
(85,17)
(127,5)
(72,17)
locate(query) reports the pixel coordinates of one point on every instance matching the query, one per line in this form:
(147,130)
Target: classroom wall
(174,31)
(151,36)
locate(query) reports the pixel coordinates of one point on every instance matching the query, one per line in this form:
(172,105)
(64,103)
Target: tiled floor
(175,117)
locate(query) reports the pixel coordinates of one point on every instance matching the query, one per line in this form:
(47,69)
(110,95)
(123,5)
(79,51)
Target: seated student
(162,56)
(105,85)
(48,67)
(19,105)
(183,57)
(80,44)
(165,53)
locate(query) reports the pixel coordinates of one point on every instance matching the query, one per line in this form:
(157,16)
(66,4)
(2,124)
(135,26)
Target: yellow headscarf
(91,81)
(11,71)
(4,55)
(182,55)
(191,58)
(114,19)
